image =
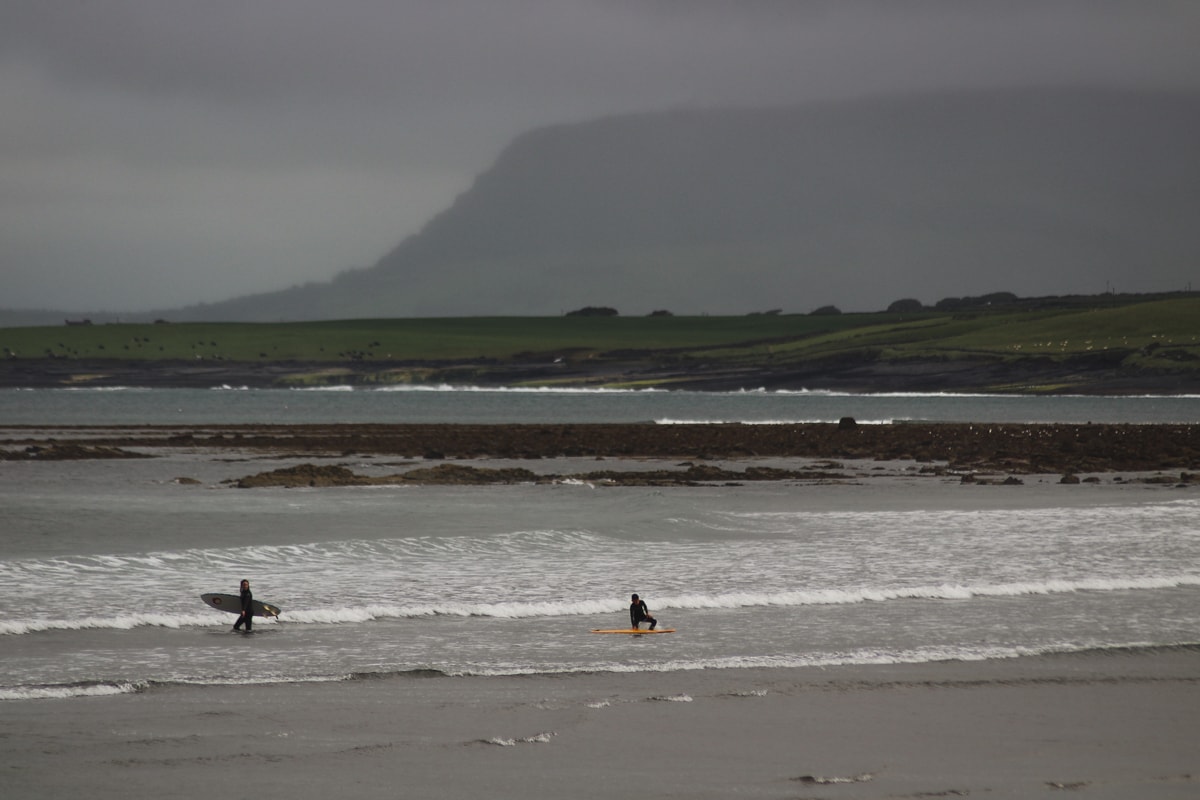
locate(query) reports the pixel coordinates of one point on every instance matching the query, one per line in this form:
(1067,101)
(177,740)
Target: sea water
(225,404)
(103,562)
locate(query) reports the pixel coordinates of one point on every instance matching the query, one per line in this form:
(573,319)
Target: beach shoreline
(1108,724)
(1080,375)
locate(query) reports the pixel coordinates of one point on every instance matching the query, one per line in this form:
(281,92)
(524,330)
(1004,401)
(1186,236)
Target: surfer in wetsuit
(247,615)
(638,613)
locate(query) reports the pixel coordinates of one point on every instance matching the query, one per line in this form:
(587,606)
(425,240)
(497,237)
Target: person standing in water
(638,613)
(247,615)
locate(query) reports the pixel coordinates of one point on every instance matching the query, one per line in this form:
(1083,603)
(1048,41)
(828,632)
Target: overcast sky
(157,153)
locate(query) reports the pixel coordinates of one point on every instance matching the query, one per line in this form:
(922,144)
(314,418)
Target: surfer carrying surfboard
(247,615)
(638,613)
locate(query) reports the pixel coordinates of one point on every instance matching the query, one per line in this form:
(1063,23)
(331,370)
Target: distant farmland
(1160,337)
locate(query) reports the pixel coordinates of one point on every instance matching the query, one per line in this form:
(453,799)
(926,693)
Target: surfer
(638,613)
(247,615)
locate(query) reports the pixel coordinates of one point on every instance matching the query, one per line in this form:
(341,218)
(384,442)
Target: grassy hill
(1065,347)
(1164,330)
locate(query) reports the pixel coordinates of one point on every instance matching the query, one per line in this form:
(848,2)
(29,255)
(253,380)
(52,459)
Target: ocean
(104,561)
(226,404)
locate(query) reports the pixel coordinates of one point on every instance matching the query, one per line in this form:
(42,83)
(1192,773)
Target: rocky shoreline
(685,474)
(940,448)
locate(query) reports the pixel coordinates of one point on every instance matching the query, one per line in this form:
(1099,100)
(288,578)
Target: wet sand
(1092,725)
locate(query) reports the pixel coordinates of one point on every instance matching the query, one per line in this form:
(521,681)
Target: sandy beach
(1094,725)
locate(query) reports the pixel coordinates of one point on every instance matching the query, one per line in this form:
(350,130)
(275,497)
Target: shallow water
(475,405)
(107,559)
(510,579)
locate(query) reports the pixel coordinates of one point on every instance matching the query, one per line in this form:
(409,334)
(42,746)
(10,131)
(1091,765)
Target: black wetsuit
(247,615)
(639,613)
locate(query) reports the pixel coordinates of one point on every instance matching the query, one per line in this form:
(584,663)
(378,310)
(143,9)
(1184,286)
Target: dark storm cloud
(158,153)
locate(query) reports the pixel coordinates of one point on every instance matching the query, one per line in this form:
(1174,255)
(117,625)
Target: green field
(1161,334)
(499,338)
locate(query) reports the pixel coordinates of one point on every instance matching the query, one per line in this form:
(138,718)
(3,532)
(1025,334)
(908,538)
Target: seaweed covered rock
(302,475)
(459,474)
(67,452)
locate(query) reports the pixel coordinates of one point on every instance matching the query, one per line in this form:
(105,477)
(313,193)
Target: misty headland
(853,203)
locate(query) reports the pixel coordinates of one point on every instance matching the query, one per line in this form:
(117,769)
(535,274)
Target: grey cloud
(291,131)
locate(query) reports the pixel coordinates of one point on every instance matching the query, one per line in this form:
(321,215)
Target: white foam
(101,389)
(536,739)
(123,622)
(601,606)
(850,658)
(932,592)
(63,692)
(538,390)
(513,610)
(575,482)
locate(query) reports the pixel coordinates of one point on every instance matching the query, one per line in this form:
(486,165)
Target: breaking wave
(590,607)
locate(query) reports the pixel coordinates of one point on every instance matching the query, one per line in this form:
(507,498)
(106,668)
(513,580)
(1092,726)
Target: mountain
(853,203)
